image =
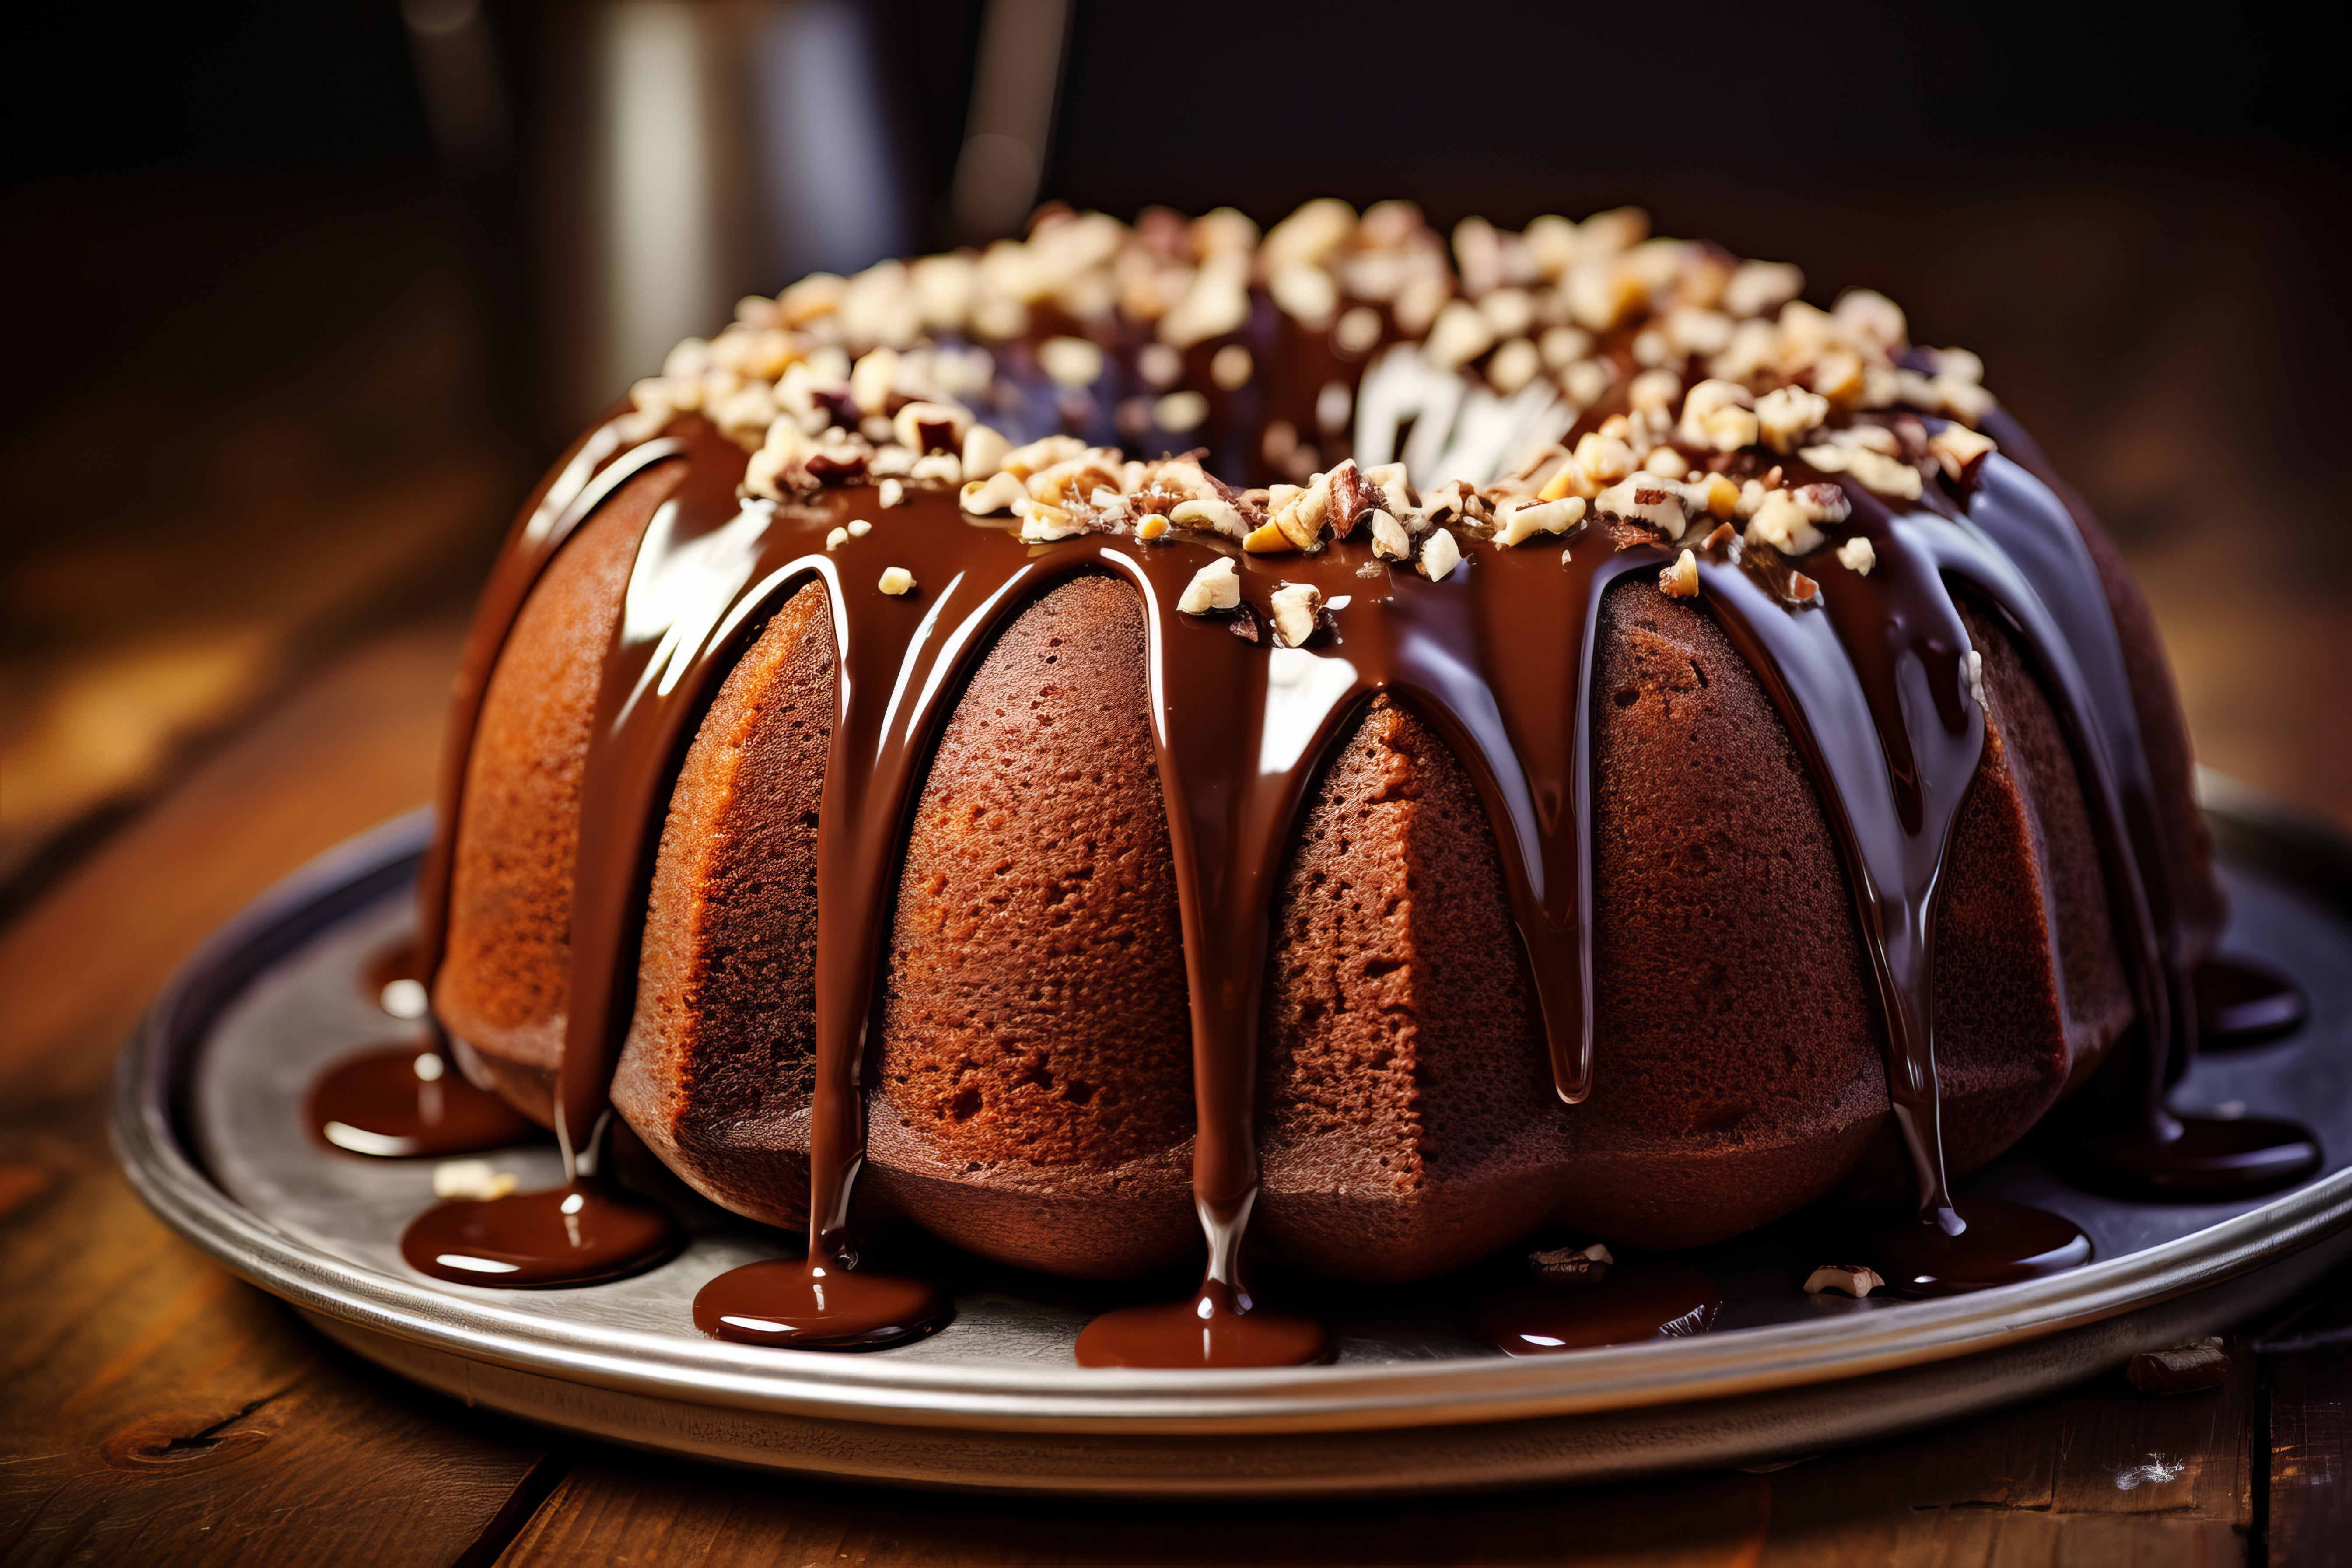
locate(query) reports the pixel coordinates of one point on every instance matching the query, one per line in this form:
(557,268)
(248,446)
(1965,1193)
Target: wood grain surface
(153,1410)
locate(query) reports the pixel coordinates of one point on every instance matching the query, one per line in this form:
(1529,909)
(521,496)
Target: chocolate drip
(391,1103)
(2003,1244)
(2145,1152)
(2241,1003)
(577,1234)
(405,1102)
(1648,1299)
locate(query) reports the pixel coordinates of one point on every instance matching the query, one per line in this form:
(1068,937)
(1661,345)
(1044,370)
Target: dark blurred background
(300,296)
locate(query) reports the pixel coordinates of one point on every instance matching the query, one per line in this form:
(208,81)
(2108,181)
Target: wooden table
(153,1410)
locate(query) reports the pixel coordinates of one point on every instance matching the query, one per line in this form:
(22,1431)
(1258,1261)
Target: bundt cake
(1152,728)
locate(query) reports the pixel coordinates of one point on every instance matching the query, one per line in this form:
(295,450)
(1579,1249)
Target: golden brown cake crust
(1033,1092)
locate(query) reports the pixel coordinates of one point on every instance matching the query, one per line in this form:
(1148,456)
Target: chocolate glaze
(2024,508)
(2202,1159)
(1220,1327)
(2242,1004)
(1647,1298)
(802,1305)
(407,1101)
(1871,677)
(2003,1244)
(576,1234)
(402,961)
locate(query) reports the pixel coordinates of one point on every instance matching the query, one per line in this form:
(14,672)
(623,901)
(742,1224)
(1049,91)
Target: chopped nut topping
(924,427)
(984,451)
(1654,390)
(836,539)
(1042,522)
(1959,449)
(1358,331)
(1666,463)
(1722,496)
(1210,513)
(1306,292)
(1460,334)
(1786,415)
(1351,497)
(897,579)
(1782,524)
(1517,522)
(982,497)
(859,527)
(1887,476)
(1296,606)
(1660,503)
(1974,666)
(1760,288)
(1216,587)
(871,379)
(1604,459)
(1588,381)
(1854,1279)
(1680,581)
(1514,365)
(1440,555)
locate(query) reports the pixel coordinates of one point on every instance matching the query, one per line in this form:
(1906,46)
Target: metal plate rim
(1007,1396)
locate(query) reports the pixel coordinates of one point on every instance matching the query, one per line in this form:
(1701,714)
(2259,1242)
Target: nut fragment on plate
(1390,541)
(1856,1279)
(2192,1368)
(1571,1264)
(1216,587)
(893,493)
(1296,606)
(897,579)
(472,1179)
(1858,555)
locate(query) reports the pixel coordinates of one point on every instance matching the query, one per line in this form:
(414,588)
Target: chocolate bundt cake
(1155,727)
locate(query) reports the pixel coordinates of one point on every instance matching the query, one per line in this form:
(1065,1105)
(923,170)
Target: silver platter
(205,1121)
